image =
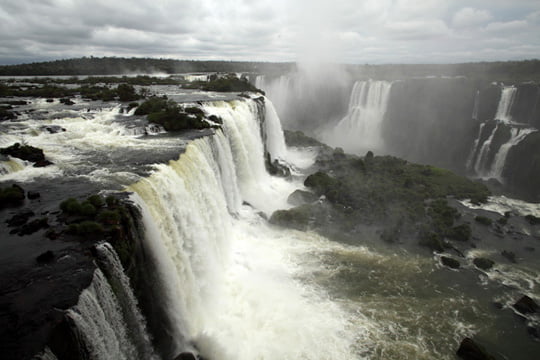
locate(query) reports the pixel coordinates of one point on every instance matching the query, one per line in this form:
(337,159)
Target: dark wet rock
(49,100)
(534,332)
(54,129)
(186,356)
(533,220)
(32,195)
(20,218)
(33,226)
(470,350)
(509,255)
(526,305)
(498,305)
(11,196)
(432,241)
(300,197)
(483,220)
(67,101)
(529,248)
(276,167)
(451,263)
(26,152)
(483,263)
(6,113)
(46,257)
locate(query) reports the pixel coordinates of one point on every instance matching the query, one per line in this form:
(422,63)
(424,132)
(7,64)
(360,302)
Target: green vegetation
(403,199)
(171,115)
(123,92)
(92,216)
(483,220)
(11,196)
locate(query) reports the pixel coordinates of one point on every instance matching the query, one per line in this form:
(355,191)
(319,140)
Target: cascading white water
(99,319)
(360,129)
(505,104)
(481,160)
(275,142)
(135,322)
(229,281)
(475,147)
(497,167)
(281,90)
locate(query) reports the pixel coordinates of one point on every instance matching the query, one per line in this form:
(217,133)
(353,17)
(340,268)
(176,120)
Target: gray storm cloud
(371,31)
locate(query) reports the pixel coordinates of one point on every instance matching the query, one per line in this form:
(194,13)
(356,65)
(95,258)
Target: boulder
(451,263)
(186,356)
(20,218)
(32,195)
(526,305)
(301,197)
(46,257)
(483,263)
(470,350)
(33,226)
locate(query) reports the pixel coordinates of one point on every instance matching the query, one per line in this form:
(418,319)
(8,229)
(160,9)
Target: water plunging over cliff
(360,130)
(505,104)
(228,276)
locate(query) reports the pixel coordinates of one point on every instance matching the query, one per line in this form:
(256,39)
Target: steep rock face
(430,121)
(526,106)
(522,169)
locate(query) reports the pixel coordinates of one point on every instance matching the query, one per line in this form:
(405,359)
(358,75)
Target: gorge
(195,267)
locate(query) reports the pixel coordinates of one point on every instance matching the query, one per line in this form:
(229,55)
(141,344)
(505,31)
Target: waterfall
(275,141)
(476,105)
(360,129)
(136,323)
(505,104)
(497,166)
(227,277)
(100,322)
(475,147)
(481,160)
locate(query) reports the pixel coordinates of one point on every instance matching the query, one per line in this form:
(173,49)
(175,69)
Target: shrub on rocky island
(171,115)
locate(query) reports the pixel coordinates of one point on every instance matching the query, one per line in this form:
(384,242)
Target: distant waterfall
(360,129)
(474,150)
(497,166)
(230,292)
(99,318)
(481,160)
(505,104)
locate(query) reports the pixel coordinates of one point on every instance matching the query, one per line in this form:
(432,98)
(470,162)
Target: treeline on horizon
(510,71)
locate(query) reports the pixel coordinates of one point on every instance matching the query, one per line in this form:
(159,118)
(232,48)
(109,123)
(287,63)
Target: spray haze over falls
(453,122)
(225,283)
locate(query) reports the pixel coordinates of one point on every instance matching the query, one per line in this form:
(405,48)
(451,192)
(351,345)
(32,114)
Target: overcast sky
(347,31)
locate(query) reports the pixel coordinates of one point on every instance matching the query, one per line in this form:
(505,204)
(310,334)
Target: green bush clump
(96,200)
(86,228)
(171,115)
(71,206)
(152,105)
(461,232)
(87,209)
(321,182)
(229,84)
(13,195)
(109,217)
(126,92)
(483,220)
